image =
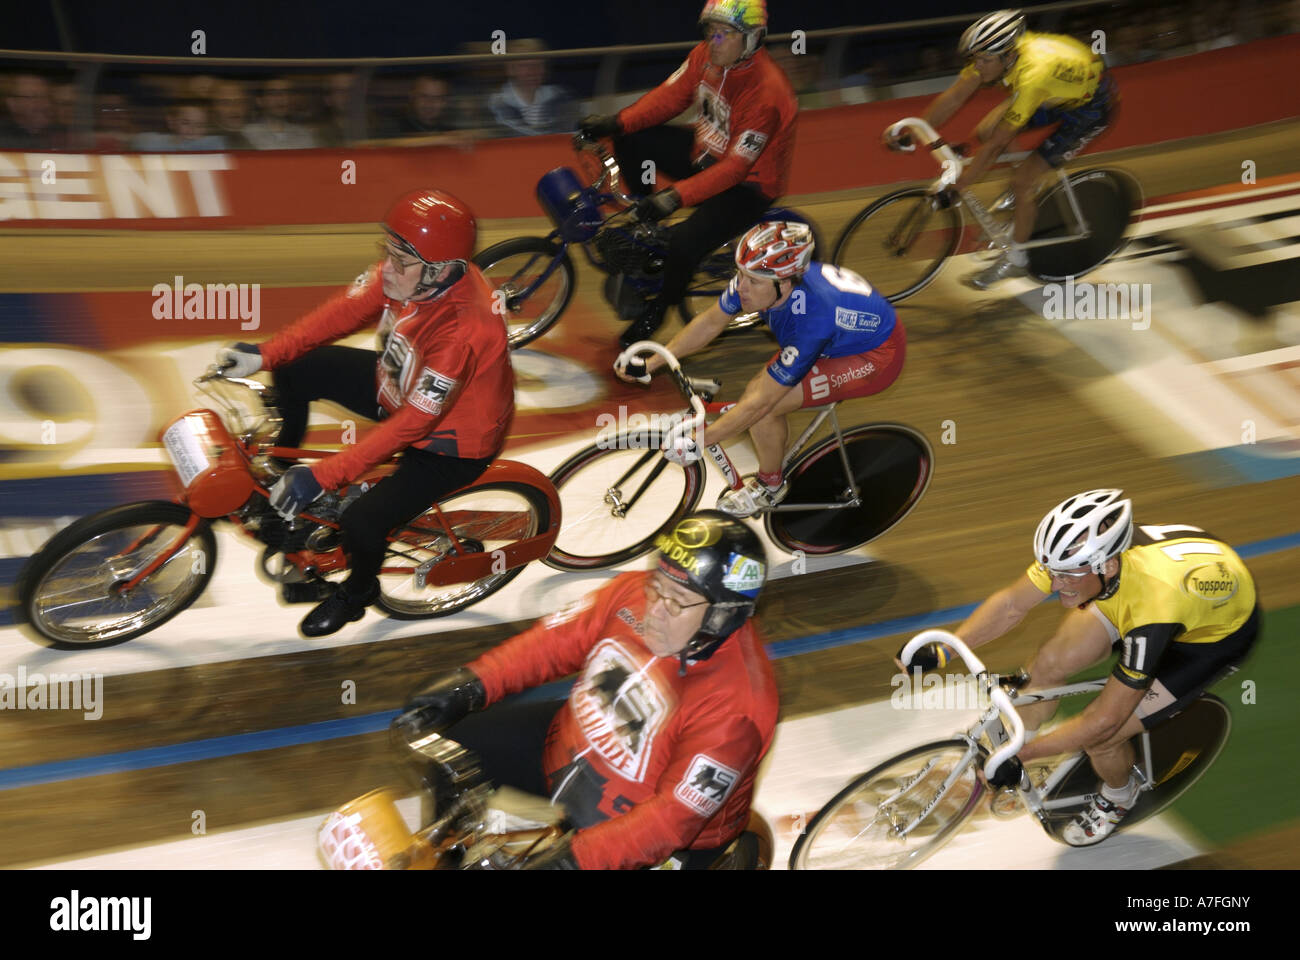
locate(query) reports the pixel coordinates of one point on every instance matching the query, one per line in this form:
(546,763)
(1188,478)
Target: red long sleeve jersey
(443,375)
(645,761)
(746,122)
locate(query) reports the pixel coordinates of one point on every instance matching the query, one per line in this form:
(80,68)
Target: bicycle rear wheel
(899,243)
(895,815)
(510,268)
(1182,749)
(1106,199)
(892,465)
(484,519)
(615,497)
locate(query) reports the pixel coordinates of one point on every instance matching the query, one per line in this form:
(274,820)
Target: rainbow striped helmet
(747,16)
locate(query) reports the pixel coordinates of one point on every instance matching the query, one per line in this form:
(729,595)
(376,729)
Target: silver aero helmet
(995,33)
(1085,530)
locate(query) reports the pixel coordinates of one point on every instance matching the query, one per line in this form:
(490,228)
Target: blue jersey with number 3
(832,312)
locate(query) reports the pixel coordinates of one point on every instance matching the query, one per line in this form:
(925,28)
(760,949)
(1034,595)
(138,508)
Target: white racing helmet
(1085,530)
(994,33)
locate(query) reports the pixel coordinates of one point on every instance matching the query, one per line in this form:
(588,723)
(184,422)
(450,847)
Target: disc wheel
(484,519)
(892,465)
(899,242)
(895,815)
(1106,198)
(70,592)
(511,267)
(616,496)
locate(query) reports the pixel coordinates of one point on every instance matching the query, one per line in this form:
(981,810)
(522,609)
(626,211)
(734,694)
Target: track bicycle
(845,490)
(902,811)
(902,240)
(123,572)
(533,278)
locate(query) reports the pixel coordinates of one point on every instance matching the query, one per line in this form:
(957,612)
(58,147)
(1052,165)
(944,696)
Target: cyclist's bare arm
(945,105)
(695,336)
(1000,613)
(997,143)
(987,126)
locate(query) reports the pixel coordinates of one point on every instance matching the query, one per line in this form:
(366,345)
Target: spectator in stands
(113,127)
(63,96)
(427,111)
(525,105)
(188,122)
(230,110)
(333,129)
(29,123)
(275,131)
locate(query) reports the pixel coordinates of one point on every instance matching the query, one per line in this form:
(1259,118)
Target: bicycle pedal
(313,591)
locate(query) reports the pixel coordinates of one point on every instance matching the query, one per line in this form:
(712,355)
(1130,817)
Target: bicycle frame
(718,456)
(952,164)
(992,726)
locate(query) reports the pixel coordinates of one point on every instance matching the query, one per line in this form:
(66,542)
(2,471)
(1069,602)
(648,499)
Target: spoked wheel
(71,591)
(894,815)
(1107,199)
(511,267)
(483,519)
(899,243)
(616,496)
(1182,749)
(892,465)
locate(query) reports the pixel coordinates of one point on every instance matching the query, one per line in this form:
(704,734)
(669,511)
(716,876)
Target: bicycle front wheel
(899,242)
(894,815)
(615,497)
(892,465)
(484,519)
(511,267)
(70,592)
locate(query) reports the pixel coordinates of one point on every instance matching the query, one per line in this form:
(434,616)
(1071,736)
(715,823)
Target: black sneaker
(338,611)
(642,328)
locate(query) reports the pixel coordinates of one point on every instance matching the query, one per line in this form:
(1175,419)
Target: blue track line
(126,762)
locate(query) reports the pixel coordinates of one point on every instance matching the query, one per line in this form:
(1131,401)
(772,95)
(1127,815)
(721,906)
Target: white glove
(631,369)
(239,360)
(682,450)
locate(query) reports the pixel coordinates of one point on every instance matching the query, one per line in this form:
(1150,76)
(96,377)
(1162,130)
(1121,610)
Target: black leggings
(347,376)
(714,221)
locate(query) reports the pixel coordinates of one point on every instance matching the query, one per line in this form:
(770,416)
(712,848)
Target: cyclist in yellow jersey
(1053,79)
(1181,605)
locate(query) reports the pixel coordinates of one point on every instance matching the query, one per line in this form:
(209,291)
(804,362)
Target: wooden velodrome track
(1031,427)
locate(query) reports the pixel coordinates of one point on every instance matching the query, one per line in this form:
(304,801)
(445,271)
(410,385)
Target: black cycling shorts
(1077,126)
(1189,669)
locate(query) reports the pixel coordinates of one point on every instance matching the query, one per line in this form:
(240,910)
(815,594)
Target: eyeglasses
(674,607)
(1068,576)
(721,31)
(400,260)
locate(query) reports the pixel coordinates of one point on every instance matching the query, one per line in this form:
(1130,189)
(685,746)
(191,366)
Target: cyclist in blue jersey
(839,339)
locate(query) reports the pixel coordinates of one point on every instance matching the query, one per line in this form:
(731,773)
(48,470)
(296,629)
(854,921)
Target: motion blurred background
(258,144)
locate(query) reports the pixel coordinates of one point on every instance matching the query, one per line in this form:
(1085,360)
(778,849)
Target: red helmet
(776,250)
(432,225)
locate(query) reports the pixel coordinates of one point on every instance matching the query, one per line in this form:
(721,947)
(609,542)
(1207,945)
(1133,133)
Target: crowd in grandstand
(181,111)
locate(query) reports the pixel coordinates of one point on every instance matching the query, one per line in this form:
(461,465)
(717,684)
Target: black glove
(1007,774)
(658,205)
(932,656)
(598,125)
(443,703)
(558,856)
(900,142)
